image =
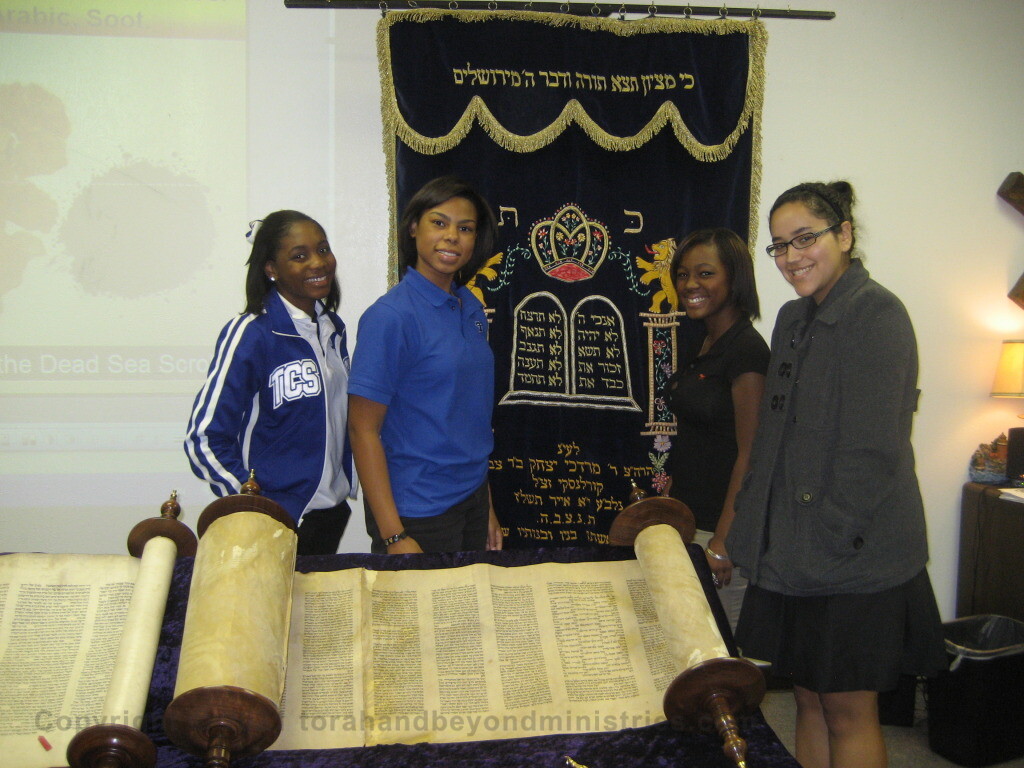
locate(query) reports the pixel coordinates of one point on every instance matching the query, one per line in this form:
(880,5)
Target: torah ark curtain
(598,143)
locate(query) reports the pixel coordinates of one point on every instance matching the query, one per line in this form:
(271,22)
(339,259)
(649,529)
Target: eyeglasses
(806,240)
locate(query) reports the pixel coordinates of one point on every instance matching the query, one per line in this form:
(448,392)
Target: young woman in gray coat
(829,523)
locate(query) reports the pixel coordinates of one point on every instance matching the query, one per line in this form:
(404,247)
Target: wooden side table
(991,572)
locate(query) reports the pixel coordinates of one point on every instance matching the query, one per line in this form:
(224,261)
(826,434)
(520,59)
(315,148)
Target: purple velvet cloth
(656,745)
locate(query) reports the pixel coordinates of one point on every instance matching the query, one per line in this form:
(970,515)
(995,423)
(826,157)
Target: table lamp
(1009,382)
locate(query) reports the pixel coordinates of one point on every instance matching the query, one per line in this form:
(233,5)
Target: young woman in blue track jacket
(275,399)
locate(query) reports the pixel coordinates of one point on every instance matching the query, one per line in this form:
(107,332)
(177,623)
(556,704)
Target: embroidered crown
(569,246)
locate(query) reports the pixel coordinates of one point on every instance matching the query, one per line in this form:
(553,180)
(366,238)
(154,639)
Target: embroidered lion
(487,272)
(658,269)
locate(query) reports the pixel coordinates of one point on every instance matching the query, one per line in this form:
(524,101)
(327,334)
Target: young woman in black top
(716,392)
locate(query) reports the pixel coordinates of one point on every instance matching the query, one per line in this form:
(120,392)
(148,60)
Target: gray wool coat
(831,503)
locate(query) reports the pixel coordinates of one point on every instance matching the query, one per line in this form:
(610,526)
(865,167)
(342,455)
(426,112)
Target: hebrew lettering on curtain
(599,143)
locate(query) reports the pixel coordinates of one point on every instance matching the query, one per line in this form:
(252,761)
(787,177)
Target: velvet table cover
(656,745)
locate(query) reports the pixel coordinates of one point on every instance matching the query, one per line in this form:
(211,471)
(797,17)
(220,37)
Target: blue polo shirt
(424,354)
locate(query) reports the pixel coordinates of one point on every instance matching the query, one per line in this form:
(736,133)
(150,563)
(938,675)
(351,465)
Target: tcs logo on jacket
(294,380)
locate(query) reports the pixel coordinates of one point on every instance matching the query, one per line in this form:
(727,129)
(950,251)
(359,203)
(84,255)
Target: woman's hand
(406,546)
(720,569)
(493,531)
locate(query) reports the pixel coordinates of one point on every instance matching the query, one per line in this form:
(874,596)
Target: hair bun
(843,190)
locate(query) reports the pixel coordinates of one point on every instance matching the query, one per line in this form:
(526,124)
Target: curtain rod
(583,8)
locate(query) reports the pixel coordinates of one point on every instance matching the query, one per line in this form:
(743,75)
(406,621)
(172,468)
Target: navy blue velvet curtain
(599,143)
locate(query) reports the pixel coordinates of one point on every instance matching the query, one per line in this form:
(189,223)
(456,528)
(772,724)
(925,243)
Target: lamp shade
(1009,381)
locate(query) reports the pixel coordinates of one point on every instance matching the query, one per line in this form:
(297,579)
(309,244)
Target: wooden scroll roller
(644,510)
(231,671)
(713,686)
(115,744)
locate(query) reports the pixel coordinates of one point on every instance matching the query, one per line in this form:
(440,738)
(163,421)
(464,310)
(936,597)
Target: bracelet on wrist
(396,538)
(712,554)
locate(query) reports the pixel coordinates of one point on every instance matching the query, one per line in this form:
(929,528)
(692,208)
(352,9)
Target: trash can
(975,710)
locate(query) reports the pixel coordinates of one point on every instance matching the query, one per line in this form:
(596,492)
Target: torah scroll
(472,653)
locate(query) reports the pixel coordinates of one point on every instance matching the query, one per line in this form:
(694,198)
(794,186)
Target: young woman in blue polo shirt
(422,384)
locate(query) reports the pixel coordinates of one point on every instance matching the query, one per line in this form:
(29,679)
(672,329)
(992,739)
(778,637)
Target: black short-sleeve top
(699,393)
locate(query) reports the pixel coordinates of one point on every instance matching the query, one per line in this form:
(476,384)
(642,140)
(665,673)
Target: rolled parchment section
(234,648)
(690,628)
(136,655)
(712,688)
(118,741)
(236,625)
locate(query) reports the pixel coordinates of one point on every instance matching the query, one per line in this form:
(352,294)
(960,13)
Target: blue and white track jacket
(263,407)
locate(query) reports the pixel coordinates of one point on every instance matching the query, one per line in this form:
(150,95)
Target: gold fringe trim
(573,112)
(756,76)
(396,128)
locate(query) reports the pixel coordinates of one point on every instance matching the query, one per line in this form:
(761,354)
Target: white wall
(919,105)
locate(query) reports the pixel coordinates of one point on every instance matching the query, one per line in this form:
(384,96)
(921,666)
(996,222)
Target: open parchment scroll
(471,653)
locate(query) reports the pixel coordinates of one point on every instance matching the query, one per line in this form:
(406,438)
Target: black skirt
(836,643)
